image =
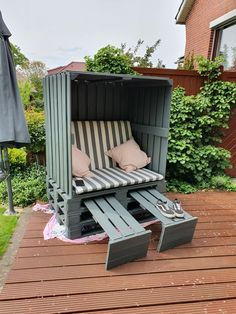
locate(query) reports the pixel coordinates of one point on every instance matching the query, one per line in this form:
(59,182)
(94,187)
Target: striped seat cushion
(114,177)
(96,137)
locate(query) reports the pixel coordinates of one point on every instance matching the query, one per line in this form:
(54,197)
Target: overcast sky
(58,31)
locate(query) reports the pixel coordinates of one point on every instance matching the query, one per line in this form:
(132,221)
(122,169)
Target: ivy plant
(195,128)
(210,69)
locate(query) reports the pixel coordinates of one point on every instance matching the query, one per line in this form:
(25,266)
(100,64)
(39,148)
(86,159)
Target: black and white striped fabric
(96,137)
(114,177)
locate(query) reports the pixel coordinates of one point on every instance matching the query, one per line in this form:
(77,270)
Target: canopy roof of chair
(95,77)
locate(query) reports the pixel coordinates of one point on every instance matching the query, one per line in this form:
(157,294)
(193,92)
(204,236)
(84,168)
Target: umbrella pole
(10,210)
(1,158)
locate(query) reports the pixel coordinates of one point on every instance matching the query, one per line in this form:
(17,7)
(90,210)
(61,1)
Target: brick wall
(199,37)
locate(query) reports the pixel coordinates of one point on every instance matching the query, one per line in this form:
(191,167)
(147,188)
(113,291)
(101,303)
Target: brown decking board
(199,277)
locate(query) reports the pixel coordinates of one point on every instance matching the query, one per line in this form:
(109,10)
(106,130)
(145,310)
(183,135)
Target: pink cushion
(129,156)
(80,163)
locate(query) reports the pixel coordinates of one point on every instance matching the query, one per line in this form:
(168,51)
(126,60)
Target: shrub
(219,182)
(175,185)
(194,126)
(223,182)
(220,98)
(209,68)
(35,72)
(28,186)
(109,59)
(189,62)
(26,89)
(17,157)
(36,125)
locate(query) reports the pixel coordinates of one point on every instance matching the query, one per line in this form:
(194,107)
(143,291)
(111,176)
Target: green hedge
(28,186)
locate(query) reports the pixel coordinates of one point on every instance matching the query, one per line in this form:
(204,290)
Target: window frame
(218,25)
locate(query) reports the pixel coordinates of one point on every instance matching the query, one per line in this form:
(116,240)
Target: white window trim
(223,20)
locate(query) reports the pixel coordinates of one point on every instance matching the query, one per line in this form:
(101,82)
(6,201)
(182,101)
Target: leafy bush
(209,68)
(188,62)
(36,125)
(17,157)
(26,89)
(28,186)
(221,98)
(109,59)
(219,182)
(195,126)
(223,182)
(175,185)
(34,72)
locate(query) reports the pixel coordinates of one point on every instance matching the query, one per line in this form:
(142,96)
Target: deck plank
(199,277)
(223,306)
(121,299)
(98,258)
(132,282)
(97,270)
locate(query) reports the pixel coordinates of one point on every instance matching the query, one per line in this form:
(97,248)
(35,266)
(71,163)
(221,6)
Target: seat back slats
(96,137)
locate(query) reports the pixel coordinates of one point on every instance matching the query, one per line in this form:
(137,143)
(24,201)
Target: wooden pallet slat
(174,231)
(103,220)
(126,241)
(124,228)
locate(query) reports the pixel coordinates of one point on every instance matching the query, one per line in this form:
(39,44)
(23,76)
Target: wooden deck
(200,277)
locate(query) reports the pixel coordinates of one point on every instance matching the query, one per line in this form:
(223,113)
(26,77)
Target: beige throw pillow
(80,163)
(129,156)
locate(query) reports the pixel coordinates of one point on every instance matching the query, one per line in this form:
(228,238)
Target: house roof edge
(183,11)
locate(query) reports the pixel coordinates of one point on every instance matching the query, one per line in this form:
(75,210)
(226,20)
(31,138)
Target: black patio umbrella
(13,128)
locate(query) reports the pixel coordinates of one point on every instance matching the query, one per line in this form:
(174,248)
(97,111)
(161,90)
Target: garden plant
(195,159)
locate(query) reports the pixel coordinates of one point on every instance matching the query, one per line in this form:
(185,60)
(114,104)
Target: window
(226,46)
(225,38)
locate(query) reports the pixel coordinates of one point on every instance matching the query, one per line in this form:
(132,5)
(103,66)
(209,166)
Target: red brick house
(210,28)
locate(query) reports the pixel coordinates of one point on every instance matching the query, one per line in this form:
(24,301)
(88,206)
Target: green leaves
(109,60)
(36,125)
(209,68)
(144,61)
(17,157)
(19,58)
(34,73)
(196,124)
(28,186)
(26,89)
